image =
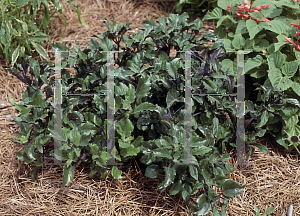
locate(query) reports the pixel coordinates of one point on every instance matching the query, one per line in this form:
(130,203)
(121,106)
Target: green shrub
(195,7)
(20,33)
(265,27)
(148,109)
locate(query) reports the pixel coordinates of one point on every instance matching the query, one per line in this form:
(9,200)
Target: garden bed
(272,179)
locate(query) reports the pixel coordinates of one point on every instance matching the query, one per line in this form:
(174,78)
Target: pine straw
(272,178)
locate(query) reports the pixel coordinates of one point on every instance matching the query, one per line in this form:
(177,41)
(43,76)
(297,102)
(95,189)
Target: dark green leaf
(262,148)
(176,188)
(162,152)
(203,204)
(169,178)
(231,188)
(186,192)
(152,171)
(143,87)
(145,106)
(193,172)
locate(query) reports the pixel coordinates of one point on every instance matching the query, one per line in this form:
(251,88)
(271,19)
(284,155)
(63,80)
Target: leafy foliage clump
(272,68)
(149,109)
(21,30)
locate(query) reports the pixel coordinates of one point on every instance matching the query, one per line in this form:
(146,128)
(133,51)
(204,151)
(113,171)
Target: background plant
(269,211)
(195,7)
(21,32)
(272,66)
(148,107)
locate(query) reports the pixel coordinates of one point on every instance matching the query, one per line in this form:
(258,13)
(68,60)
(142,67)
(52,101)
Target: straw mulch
(271,179)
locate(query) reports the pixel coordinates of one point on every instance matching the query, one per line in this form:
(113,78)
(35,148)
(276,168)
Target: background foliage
(195,7)
(21,32)
(272,66)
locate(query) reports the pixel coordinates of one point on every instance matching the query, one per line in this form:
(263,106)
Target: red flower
(295,44)
(228,7)
(295,25)
(258,8)
(265,20)
(244,16)
(297,34)
(246,7)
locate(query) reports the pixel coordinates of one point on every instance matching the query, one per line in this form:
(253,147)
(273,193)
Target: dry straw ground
(272,179)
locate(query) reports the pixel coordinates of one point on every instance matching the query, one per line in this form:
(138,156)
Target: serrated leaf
(253,28)
(143,87)
(227,44)
(296,88)
(238,41)
(221,20)
(172,97)
(129,97)
(125,127)
(241,27)
(186,192)
(290,68)
(106,44)
(271,12)
(223,3)
(149,23)
(263,119)
(276,59)
(278,81)
(215,14)
(173,67)
(256,15)
(278,26)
